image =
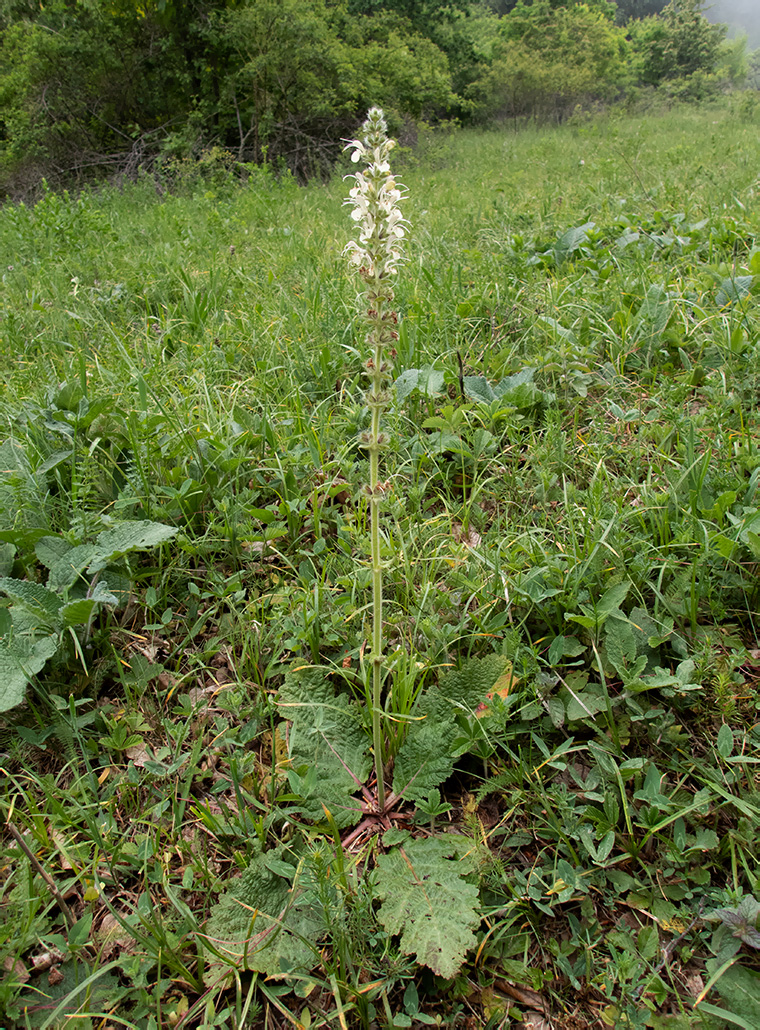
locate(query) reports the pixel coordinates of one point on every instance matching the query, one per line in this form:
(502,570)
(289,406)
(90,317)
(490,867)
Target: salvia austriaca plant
(375,198)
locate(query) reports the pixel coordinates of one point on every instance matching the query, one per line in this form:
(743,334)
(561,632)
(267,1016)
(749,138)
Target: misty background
(739,15)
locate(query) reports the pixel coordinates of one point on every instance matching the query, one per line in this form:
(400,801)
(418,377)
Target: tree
(628,9)
(607,7)
(676,44)
(99,86)
(305,68)
(551,58)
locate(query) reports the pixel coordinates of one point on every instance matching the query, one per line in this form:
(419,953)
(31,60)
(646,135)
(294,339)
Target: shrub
(551,59)
(676,44)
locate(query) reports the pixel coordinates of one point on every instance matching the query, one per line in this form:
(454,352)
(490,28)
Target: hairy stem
(375,198)
(377,577)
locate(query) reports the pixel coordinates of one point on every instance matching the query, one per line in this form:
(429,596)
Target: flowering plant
(375,197)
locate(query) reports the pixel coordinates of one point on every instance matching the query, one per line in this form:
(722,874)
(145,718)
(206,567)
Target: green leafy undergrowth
(48,1000)
(328,743)
(574,486)
(81,579)
(428,887)
(291,898)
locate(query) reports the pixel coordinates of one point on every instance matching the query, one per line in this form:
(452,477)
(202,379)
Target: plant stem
(377,578)
(375,197)
(68,915)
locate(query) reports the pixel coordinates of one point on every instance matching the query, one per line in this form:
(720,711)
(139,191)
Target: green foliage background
(91,89)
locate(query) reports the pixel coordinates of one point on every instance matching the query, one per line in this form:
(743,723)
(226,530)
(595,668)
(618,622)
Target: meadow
(570,541)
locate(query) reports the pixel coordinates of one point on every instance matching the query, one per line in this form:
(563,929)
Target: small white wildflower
(375,196)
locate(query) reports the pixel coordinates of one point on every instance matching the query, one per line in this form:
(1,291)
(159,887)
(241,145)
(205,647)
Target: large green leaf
(45,1003)
(612,598)
(78,613)
(265,922)
(740,989)
(478,389)
(428,380)
(427,900)
(42,604)
(734,290)
(328,745)
(653,315)
(128,536)
(7,555)
(65,569)
(20,659)
(571,241)
(67,562)
(427,756)
(517,391)
(50,549)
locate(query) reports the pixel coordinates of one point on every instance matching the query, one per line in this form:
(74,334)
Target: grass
(190,359)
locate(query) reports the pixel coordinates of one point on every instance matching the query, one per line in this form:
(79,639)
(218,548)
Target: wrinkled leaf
(740,989)
(41,603)
(20,659)
(265,922)
(734,290)
(126,537)
(426,757)
(427,900)
(328,745)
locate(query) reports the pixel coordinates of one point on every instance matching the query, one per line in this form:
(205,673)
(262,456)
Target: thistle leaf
(427,900)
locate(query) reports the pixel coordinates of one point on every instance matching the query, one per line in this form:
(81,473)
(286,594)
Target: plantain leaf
(428,380)
(734,290)
(77,613)
(67,562)
(478,389)
(68,566)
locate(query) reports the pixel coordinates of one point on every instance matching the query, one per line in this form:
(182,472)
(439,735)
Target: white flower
(374,197)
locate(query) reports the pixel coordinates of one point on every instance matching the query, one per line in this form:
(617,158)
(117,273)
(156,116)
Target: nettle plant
(337,734)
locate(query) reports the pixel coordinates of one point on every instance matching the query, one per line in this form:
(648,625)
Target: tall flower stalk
(377,252)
